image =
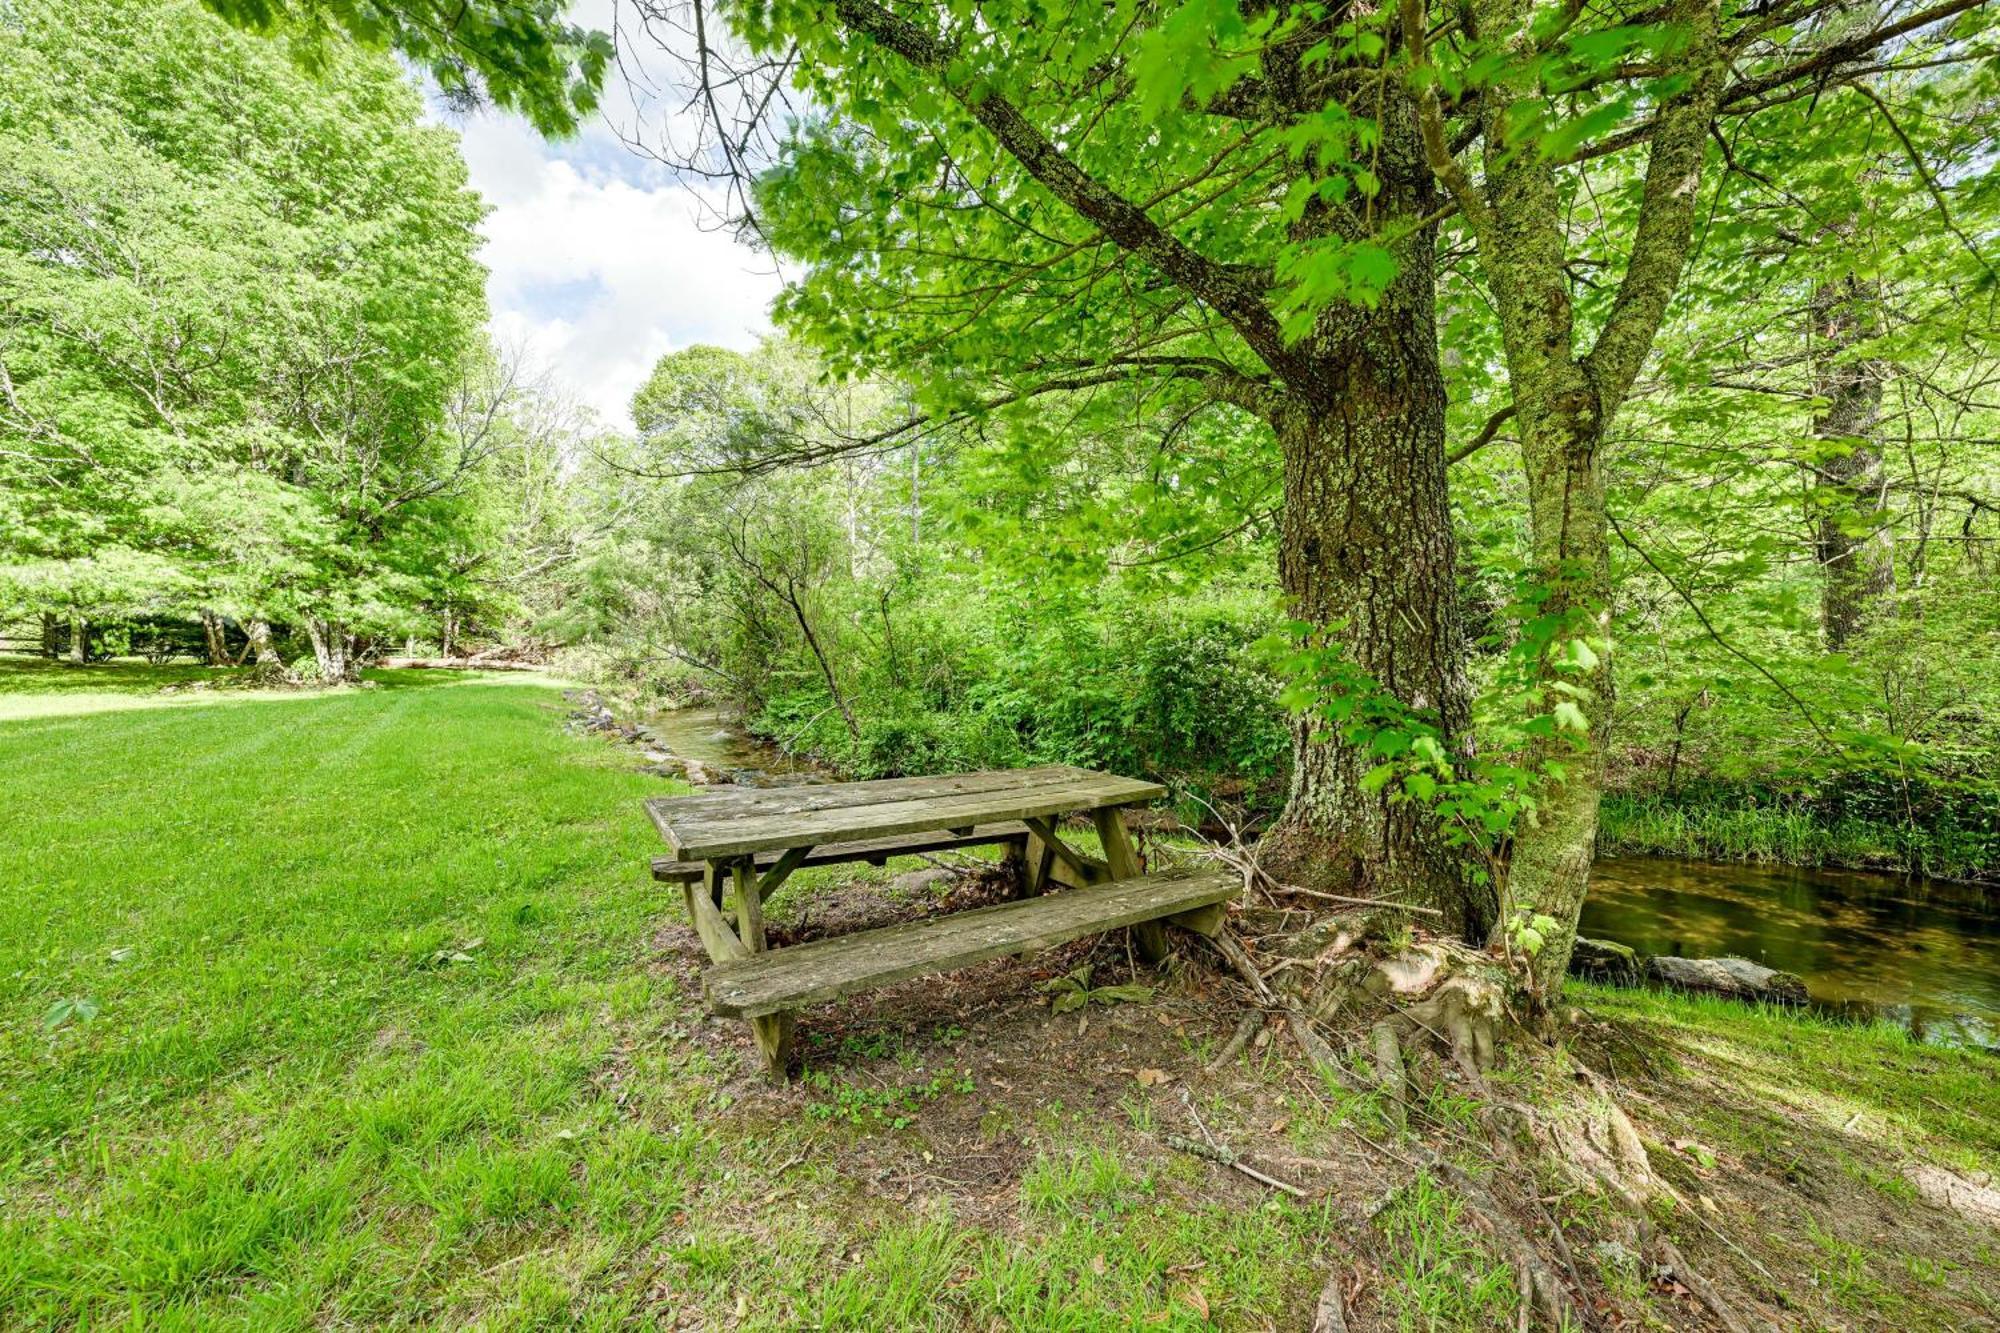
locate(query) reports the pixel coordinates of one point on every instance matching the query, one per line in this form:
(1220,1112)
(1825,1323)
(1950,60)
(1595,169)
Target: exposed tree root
(1437,1011)
(1330,1311)
(1246,1028)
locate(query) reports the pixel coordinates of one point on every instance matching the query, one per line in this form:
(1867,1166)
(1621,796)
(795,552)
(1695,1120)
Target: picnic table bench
(749,841)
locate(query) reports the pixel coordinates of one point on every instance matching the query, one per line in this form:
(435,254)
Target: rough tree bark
(263,643)
(79,640)
(334,650)
(258,631)
(1854,568)
(1366,541)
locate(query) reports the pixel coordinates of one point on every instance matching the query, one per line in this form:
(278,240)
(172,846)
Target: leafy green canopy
(523,55)
(234,301)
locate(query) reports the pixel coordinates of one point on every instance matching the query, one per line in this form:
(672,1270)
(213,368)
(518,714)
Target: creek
(1924,954)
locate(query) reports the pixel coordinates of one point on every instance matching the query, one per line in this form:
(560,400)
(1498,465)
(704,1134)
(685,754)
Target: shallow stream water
(716,739)
(1922,953)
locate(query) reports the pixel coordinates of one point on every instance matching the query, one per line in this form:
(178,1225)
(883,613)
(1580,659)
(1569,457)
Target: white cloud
(601,264)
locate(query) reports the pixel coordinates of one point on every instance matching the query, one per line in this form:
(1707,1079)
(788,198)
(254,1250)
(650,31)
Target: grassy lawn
(357,1008)
(353,959)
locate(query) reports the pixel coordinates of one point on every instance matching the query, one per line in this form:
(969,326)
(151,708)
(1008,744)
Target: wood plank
(773,1032)
(775,877)
(1088,869)
(784,979)
(733,802)
(774,1041)
(738,835)
(1037,860)
(1202,920)
(672,812)
(668,870)
(749,906)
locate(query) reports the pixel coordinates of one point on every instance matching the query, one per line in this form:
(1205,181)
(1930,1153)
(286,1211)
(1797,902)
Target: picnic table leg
(749,905)
(774,1031)
(1038,861)
(1124,862)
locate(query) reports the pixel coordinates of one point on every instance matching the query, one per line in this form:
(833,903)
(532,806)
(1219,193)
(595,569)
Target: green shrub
(1172,695)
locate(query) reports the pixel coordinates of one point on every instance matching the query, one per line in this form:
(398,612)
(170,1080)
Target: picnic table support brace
(773,1031)
(1038,861)
(1087,869)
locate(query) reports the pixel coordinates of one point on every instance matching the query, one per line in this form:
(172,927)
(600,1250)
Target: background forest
(249,411)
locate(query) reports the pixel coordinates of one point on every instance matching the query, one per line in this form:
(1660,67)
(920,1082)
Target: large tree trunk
(79,640)
(258,631)
(334,649)
(1854,566)
(1366,543)
(1564,404)
(1549,872)
(1560,413)
(51,636)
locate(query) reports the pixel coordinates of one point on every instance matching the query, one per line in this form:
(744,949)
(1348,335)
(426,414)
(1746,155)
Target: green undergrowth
(1649,826)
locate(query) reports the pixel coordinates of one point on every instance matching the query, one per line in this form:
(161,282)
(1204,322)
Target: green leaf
(80,1009)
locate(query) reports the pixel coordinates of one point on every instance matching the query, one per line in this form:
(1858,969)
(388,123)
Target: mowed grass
(352,1009)
(351,958)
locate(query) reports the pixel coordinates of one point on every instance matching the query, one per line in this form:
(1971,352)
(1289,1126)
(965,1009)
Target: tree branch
(1753,663)
(1430,120)
(1825,62)
(1124,222)
(1923,171)
(1486,436)
(1666,216)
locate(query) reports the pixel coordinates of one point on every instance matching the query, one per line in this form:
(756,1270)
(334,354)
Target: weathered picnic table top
(742,822)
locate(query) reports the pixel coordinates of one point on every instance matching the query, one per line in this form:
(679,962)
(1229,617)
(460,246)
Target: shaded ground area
(387,1025)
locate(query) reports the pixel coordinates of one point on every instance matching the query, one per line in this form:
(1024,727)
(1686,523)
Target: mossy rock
(1606,961)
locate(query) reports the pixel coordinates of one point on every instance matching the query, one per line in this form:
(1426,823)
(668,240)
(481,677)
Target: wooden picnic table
(750,840)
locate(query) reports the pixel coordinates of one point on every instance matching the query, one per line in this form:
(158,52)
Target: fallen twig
(1690,1278)
(1227,1157)
(1357,902)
